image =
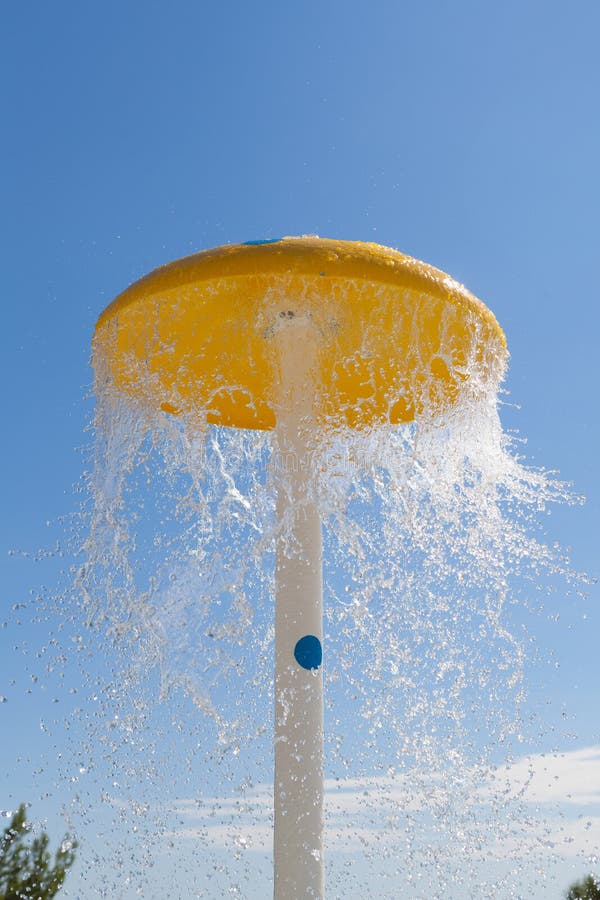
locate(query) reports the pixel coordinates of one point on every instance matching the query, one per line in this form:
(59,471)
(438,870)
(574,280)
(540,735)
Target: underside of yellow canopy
(395,337)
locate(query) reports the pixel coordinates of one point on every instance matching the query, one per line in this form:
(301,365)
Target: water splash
(432,552)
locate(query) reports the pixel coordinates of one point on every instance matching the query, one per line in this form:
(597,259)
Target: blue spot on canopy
(265,241)
(308,652)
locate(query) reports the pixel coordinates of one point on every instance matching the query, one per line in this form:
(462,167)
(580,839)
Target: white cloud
(571,778)
(541,805)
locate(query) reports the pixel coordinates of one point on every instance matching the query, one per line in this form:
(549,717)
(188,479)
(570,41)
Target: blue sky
(464,133)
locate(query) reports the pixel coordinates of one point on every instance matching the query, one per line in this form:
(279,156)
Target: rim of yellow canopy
(396,337)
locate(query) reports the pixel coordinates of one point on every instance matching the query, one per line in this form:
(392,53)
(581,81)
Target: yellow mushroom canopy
(396,338)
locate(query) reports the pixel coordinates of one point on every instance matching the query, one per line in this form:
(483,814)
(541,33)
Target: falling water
(432,558)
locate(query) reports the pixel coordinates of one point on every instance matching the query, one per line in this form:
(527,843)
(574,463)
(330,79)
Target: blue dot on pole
(308,652)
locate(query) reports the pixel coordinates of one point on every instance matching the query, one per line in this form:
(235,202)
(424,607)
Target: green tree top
(587,889)
(26,870)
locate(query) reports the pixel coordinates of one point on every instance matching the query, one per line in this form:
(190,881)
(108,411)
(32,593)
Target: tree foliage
(587,889)
(26,869)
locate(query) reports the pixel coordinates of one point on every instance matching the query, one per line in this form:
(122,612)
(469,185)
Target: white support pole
(298,787)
